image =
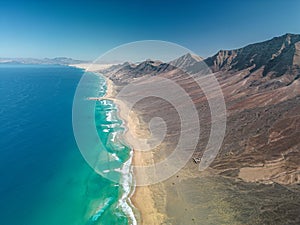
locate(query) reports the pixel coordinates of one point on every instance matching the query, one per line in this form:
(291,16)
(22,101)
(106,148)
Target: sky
(87,29)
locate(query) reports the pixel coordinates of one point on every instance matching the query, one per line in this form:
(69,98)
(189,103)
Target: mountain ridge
(261,88)
(276,54)
(265,65)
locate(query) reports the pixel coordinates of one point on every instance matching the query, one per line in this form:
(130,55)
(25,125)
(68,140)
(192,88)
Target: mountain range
(261,86)
(57,60)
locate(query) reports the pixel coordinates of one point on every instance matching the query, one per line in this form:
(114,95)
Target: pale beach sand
(143,198)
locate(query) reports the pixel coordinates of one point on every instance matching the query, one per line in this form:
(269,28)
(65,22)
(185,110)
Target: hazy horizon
(85,30)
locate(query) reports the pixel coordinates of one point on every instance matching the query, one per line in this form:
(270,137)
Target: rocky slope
(255,179)
(261,86)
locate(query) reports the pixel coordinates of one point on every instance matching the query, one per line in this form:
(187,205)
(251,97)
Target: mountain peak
(148,65)
(193,56)
(188,62)
(290,35)
(188,57)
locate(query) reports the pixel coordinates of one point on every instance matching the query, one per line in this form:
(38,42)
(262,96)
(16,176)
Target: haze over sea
(43,177)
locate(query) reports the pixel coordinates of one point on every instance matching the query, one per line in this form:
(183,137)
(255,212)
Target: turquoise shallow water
(44,178)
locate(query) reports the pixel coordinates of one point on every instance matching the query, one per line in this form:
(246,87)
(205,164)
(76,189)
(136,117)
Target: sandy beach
(142,198)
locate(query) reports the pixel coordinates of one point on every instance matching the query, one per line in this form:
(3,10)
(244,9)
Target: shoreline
(110,93)
(141,197)
(133,213)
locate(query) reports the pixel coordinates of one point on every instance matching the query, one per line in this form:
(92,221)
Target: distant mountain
(64,61)
(57,60)
(126,72)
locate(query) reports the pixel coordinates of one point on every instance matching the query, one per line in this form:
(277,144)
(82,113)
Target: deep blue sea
(44,179)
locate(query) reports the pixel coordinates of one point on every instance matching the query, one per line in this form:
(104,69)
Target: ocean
(43,177)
